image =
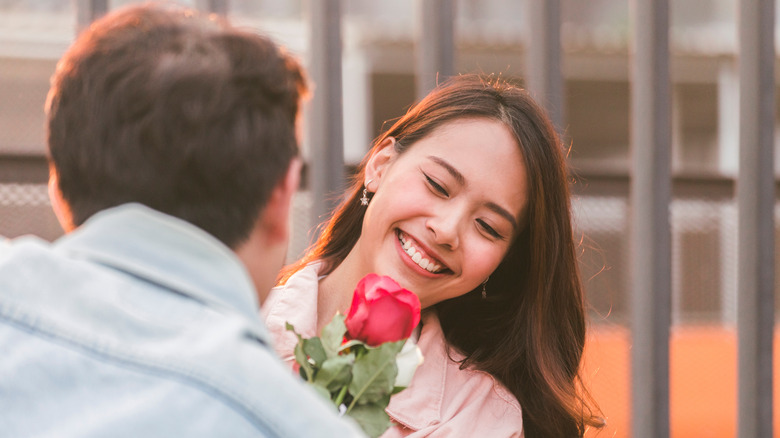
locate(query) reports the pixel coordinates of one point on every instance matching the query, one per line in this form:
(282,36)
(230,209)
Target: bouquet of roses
(360,360)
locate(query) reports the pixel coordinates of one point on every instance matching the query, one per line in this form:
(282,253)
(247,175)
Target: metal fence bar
(435,44)
(650,238)
(325,129)
(755,202)
(88,11)
(220,7)
(543,57)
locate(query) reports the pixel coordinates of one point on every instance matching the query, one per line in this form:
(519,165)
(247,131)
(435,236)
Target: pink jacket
(441,401)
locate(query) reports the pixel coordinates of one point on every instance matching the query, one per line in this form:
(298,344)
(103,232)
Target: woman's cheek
(490,256)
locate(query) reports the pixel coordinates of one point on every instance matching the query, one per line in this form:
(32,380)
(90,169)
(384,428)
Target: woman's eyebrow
(449,168)
(501,211)
(462,181)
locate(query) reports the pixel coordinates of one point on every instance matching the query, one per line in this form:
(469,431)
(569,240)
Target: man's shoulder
(57,383)
(23,261)
(5,246)
(60,316)
(9,246)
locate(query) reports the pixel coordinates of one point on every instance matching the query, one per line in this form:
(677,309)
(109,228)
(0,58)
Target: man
(173,151)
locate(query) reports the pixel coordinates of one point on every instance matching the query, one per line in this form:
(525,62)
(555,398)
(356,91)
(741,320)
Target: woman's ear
(380,160)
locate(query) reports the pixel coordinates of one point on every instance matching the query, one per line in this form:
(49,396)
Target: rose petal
(411,299)
(358,313)
(382,311)
(387,322)
(358,300)
(368,283)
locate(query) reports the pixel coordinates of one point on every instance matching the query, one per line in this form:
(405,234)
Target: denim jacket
(140,324)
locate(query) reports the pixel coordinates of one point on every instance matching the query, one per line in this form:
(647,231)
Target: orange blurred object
(703,375)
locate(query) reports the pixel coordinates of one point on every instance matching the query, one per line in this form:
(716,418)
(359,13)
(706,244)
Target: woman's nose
(445,226)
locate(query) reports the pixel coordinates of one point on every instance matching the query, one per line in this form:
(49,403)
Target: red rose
(382,311)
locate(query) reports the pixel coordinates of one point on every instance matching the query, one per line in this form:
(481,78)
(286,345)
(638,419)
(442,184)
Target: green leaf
(373,375)
(290,327)
(313,348)
(372,419)
(333,334)
(322,391)
(303,360)
(397,389)
(335,372)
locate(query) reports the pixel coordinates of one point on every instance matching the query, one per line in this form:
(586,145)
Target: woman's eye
(488,229)
(436,186)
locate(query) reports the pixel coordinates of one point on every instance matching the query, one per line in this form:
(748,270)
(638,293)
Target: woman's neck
(335,291)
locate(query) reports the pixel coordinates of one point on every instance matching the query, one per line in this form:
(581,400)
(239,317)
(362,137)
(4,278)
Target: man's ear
(379,162)
(58,204)
(276,214)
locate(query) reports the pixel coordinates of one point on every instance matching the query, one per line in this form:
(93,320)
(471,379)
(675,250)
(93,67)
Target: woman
(464,201)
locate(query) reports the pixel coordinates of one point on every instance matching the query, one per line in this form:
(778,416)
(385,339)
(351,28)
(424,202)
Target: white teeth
(417,257)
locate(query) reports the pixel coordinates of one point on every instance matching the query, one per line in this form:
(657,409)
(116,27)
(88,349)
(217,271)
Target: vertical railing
(650,239)
(543,57)
(755,201)
(217,6)
(325,128)
(435,43)
(89,10)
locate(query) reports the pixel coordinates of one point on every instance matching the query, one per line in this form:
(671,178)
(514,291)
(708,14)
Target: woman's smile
(419,256)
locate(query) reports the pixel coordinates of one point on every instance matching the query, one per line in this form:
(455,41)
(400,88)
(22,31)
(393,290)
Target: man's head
(176,111)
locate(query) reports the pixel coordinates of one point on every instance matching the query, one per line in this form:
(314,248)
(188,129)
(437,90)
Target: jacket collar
(169,252)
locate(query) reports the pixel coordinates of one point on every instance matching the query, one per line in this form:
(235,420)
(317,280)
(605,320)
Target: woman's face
(445,211)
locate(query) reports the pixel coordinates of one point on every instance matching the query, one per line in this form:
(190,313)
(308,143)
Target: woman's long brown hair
(530,331)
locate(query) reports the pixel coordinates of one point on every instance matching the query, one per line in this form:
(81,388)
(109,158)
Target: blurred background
(379,82)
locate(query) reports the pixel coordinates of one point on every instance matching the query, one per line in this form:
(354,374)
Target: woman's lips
(419,256)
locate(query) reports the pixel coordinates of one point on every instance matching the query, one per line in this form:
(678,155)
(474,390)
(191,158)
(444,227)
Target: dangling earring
(364,199)
(484,288)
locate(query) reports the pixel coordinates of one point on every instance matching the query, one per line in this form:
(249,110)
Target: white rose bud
(407,361)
